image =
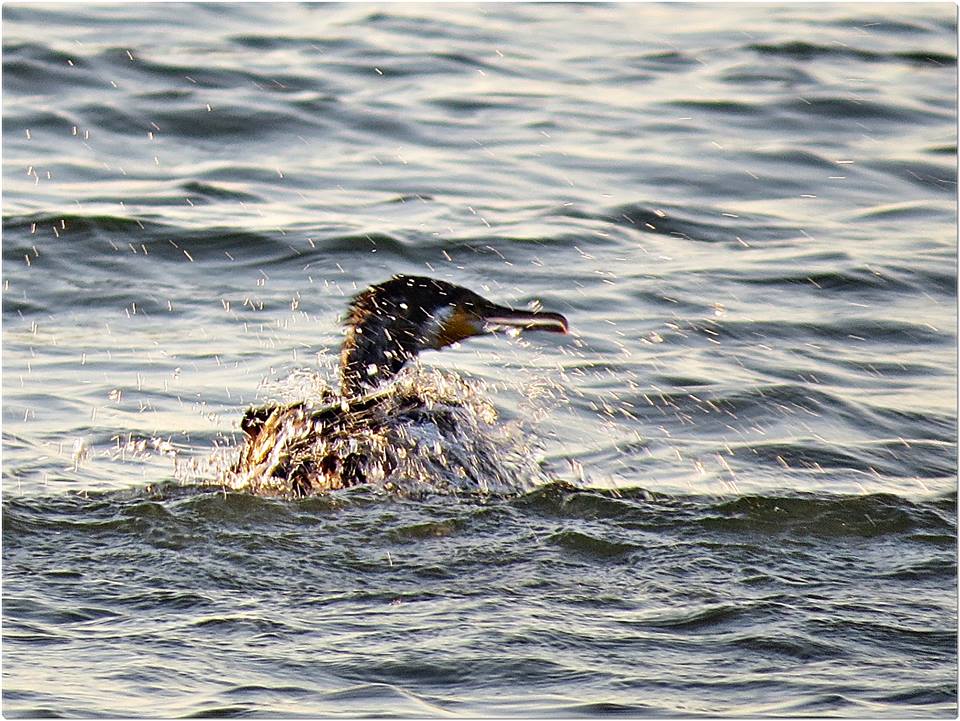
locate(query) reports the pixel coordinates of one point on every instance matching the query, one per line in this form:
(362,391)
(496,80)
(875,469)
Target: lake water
(743,460)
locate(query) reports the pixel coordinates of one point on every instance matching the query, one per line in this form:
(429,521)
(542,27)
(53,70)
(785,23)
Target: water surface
(745,456)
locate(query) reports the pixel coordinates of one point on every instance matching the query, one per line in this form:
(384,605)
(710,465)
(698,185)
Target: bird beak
(497,317)
(488,317)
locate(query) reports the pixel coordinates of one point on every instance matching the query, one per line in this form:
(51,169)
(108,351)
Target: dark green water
(731,491)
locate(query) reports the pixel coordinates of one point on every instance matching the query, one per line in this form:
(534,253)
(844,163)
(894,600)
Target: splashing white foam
(432,432)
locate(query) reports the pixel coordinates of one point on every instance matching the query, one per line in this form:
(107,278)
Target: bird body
(363,435)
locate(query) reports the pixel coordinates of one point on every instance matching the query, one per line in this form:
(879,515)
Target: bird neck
(373,352)
(387,326)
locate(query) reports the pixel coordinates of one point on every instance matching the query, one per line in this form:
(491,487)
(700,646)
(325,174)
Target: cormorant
(297,449)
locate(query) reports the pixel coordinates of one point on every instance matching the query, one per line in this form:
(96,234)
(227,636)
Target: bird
(298,449)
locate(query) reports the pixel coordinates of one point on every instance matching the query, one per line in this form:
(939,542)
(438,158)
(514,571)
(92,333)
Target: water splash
(430,432)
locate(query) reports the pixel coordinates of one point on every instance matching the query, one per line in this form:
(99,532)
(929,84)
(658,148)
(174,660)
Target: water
(747,450)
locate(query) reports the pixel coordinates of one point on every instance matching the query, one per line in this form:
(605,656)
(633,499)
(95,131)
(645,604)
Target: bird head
(390,323)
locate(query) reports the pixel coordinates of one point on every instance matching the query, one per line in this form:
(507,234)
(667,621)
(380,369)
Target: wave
(687,223)
(802,50)
(178,506)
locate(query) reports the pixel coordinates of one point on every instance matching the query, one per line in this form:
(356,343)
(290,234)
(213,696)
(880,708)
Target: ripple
(842,109)
(801,50)
(872,515)
(795,648)
(591,546)
(685,222)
